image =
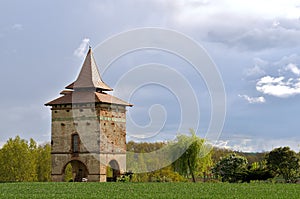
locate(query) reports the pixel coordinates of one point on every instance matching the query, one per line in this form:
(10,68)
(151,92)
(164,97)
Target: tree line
(22,160)
(221,164)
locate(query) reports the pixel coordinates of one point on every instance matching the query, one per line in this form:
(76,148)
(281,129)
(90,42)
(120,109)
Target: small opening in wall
(112,123)
(88,123)
(75,143)
(55,111)
(68,110)
(62,124)
(81,110)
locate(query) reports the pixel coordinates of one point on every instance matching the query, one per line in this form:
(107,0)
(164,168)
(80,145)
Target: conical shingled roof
(89,76)
(88,88)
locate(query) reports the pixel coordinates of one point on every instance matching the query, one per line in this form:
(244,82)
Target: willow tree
(195,158)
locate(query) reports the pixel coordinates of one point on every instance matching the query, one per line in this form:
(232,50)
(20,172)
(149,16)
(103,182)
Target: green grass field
(148,190)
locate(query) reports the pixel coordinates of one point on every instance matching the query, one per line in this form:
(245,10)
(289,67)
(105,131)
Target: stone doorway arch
(112,171)
(78,171)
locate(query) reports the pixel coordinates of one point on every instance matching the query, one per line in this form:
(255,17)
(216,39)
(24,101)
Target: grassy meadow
(148,190)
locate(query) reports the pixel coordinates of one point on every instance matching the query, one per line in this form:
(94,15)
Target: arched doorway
(112,171)
(74,171)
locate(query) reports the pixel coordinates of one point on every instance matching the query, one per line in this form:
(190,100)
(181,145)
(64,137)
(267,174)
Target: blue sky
(255,45)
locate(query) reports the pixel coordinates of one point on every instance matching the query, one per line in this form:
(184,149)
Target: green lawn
(148,190)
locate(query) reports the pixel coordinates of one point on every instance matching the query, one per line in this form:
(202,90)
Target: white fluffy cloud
(253,100)
(278,86)
(81,50)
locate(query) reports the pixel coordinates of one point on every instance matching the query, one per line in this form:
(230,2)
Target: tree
(283,161)
(43,167)
(21,160)
(17,160)
(195,158)
(231,168)
(69,173)
(253,157)
(257,171)
(218,153)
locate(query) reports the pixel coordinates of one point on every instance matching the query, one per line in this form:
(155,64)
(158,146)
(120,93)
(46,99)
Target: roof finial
(90,47)
(89,44)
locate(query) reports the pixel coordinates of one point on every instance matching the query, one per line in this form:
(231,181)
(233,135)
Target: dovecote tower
(88,129)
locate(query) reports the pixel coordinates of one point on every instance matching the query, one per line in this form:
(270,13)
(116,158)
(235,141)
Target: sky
(255,46)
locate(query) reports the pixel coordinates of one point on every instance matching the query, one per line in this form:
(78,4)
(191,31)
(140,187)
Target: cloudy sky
(254,44)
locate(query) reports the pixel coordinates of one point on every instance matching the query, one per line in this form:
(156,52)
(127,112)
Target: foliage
(283,161)
(148,190)
(231,168)
(144,147)
(124,178)
(141,157)
(44,163)
(21,160)
(195,158)
(166,175)
(68,173)
(253,157)
(218,153)
(257,174)
(140,163)
(162,175)
(17,161)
